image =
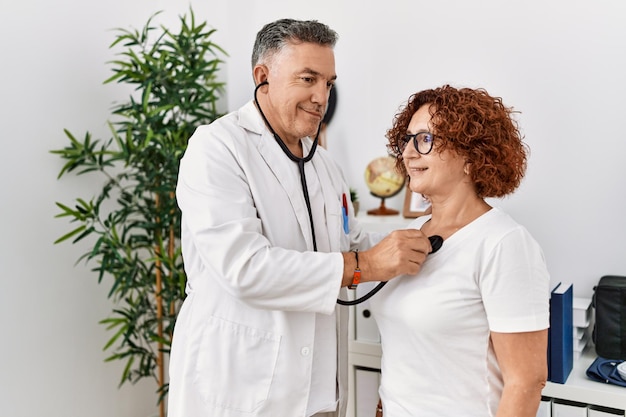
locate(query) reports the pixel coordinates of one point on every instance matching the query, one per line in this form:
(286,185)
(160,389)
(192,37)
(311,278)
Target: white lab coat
(243,339)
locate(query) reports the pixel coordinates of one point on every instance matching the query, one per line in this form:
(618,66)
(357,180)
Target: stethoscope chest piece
(435,242)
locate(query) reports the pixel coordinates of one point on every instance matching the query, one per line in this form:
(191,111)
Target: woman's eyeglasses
(423,142)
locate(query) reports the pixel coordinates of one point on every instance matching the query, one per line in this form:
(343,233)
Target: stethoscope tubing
(435,242)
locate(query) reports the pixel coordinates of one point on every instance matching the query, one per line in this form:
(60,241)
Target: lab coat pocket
(235,365)
(338,229)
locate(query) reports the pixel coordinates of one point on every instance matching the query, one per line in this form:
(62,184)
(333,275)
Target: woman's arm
(522,358)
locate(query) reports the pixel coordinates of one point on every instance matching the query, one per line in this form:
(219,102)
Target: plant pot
(355,205)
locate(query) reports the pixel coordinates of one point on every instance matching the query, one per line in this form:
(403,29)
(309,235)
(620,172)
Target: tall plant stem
(159,308)
(171,250)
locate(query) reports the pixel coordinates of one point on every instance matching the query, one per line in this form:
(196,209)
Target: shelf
(364,354)
(582,389)
(366,348)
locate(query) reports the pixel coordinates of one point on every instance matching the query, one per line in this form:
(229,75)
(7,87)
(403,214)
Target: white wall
(560,62)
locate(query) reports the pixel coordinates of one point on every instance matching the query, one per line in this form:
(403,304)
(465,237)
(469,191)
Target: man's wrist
(356,274)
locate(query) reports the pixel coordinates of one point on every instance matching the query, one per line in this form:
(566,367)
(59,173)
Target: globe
(383,181)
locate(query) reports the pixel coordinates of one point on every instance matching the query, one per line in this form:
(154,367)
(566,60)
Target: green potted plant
(133,222)
(354,197)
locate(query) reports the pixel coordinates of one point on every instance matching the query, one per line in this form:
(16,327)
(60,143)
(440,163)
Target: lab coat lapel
(331,196)
(281,166)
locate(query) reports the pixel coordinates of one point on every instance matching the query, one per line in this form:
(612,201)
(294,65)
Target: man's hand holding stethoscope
(399,253)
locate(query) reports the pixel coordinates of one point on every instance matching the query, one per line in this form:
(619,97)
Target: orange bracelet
(356,277)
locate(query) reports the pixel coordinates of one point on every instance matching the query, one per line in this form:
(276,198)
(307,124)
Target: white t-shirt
(437,357)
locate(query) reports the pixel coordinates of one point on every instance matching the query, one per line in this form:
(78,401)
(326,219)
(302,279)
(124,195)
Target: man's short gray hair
(275,35)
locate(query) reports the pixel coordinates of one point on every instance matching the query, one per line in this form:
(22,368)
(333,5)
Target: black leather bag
(609,332)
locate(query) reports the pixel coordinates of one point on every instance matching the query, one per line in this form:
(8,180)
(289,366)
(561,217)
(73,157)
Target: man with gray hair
(269,243)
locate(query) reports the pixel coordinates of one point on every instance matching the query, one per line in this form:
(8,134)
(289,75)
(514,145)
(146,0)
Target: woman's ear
(466,168)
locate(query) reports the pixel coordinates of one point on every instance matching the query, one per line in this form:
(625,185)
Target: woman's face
(436,174)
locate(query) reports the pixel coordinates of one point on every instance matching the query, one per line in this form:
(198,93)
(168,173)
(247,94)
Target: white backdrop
(561,63)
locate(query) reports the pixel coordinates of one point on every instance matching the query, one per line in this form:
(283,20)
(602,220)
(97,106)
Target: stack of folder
(582,320)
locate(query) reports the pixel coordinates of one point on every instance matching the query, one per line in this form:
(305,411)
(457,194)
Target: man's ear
(260,74)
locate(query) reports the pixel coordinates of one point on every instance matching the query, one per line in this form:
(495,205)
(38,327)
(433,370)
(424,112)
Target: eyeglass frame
(406,138)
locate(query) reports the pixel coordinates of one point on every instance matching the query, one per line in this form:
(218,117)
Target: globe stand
(382,210)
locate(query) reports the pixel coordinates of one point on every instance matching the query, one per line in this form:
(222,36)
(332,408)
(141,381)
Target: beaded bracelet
(356,277)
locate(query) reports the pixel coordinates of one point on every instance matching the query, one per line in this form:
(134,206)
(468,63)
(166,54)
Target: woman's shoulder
(503,227)
(500,219)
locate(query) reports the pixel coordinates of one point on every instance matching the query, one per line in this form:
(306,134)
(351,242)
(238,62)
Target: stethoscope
(435,240)
(296,159)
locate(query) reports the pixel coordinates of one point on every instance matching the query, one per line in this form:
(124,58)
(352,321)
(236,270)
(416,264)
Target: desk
(579,388)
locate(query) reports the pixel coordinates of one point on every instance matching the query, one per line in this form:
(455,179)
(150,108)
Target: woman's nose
(410,151)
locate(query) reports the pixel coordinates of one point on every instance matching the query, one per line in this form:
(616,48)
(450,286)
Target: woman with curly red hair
(467,335)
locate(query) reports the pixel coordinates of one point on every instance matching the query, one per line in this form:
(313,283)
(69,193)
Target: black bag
(609,332)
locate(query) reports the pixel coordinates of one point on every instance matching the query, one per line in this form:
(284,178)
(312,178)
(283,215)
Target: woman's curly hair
(476,126)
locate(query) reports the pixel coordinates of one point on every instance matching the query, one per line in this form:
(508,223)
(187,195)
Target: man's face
(300,78)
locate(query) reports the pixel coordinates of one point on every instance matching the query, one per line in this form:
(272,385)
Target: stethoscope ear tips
(435,241)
